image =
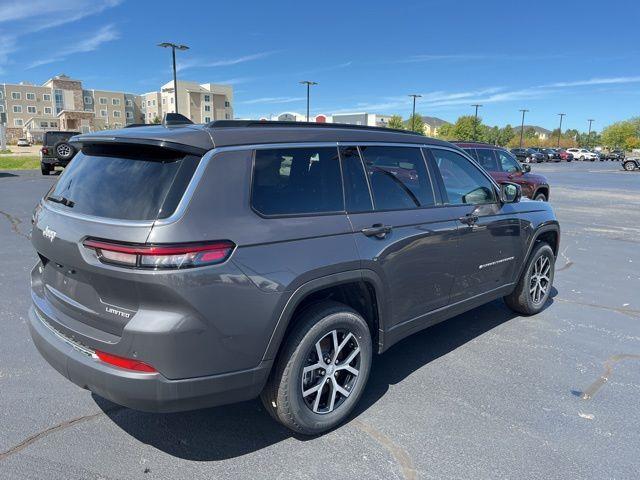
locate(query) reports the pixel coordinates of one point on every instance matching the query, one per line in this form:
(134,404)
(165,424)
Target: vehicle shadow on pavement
(233,430)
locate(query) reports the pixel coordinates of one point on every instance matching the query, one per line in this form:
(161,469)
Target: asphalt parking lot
(484,395)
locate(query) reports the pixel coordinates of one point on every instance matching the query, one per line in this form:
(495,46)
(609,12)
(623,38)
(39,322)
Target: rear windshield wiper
(60,199)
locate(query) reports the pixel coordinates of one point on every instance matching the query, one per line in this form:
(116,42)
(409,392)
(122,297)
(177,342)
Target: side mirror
(510,192)
(526,167)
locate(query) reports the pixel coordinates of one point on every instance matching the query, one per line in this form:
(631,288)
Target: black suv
(194,265)
(56,150)
(529,155)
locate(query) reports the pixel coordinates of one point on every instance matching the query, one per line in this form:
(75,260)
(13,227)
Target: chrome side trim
(75,345)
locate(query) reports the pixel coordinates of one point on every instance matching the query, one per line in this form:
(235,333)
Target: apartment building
(62,103)
(201,103)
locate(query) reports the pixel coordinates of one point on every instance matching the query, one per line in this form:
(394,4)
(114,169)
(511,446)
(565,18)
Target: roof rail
(273,123)
(175,119)
(132,125)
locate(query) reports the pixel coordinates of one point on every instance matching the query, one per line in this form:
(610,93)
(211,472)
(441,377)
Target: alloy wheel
(540,282)
(331,371)
(63,150)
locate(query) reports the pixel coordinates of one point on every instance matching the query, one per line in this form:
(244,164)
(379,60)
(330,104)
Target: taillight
(44,150)
(184,255)
(122,362)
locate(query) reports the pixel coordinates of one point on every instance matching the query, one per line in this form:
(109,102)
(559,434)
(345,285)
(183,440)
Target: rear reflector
(185,255)
(126,363)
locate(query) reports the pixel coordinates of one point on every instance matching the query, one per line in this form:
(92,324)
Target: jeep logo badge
(48,233)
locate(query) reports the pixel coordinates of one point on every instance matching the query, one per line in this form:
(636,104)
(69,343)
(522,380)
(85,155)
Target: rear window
(51,138)
(143,183)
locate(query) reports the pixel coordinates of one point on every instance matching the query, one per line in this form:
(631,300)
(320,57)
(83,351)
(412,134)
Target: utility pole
(413,113)
(591,120)
(560,128)
(308,83)
(523,110)
(173,48)
(475,120)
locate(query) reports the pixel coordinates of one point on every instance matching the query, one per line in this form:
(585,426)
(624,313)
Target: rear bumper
(53,161)
(150,392)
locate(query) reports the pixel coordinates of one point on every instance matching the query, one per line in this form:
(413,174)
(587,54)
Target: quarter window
(464,183)
(398,177)
(297,181)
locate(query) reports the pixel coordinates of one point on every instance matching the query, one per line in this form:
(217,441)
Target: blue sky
(577,57)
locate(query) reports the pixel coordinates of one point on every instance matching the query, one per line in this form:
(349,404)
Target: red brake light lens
(127,363)
(186,255)
(44,150)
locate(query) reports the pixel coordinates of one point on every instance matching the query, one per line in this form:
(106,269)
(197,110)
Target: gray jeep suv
(186,266)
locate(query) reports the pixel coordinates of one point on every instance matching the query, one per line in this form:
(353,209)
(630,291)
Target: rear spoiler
(80,141)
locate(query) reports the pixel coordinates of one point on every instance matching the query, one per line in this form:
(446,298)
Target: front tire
(534,287)
(629,166)
(540,197)
(321,370)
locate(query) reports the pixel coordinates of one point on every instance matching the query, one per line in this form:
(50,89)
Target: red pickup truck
(504,167)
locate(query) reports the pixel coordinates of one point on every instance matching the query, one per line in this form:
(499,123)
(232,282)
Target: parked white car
(23,142)
(583,154)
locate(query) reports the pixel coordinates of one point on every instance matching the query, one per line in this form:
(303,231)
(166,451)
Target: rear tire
(629,166)
(533,288)
(338,386)
(45,169)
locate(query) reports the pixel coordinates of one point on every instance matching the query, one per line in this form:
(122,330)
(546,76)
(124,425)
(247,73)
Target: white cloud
(273,100)
(198,63)
(90,43)
(594,81)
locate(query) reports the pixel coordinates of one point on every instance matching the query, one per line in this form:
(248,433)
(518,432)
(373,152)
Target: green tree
(156,120)
(445,131)
(621,134)
(505,135)
(396,122)
(415,124)
(530,133)
(465,128)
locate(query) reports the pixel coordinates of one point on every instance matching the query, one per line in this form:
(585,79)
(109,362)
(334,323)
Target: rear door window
(398,177)
(507,163)
(297,181)
(124,182)
(486,159)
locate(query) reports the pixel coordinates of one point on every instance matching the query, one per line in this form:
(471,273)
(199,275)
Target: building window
(47,110)
(116,113)
(207,119)
(31,109)
(129,115)
(1,108)
(153,102)
(53,124)
(17,109)
(117,125)
(129,103)
(31,96)
(103,100)
(46,97)
(115,101)
(44,125)
(88,100)
(227,104)
(171,100)
(18,122)
(1,94)
(207,98)
(227,116)
(164,101)
(103,113)
(207,108)
(16,95)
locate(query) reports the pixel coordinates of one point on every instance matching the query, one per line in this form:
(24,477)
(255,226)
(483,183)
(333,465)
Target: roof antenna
(175,119)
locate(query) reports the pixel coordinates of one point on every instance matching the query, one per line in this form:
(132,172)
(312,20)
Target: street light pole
(308,84)
(523,110)
(174,47)
(590,120)
(413,113)
(475,120)
(560,128)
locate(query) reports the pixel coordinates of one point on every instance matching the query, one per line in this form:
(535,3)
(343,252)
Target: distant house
(541,133)
(432,124)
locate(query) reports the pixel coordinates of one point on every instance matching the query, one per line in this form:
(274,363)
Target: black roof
(247,132)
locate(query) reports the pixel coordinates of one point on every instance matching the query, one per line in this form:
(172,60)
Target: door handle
(377,230)
(469,219)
